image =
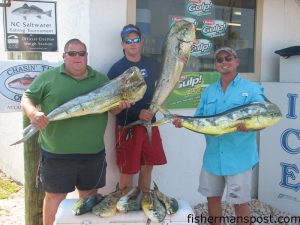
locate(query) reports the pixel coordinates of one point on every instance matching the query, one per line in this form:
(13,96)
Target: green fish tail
(28,133)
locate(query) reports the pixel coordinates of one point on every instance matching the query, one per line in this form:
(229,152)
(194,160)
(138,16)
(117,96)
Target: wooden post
(33,196)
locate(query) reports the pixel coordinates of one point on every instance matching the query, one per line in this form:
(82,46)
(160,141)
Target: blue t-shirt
(150,70)
(235,152)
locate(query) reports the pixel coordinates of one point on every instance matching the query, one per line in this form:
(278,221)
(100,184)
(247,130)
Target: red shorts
(133,149)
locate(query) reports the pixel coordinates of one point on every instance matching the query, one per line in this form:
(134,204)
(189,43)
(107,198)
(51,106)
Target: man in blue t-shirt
(133,150)
(229,158)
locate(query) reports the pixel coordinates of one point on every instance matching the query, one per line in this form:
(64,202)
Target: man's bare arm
(37,118)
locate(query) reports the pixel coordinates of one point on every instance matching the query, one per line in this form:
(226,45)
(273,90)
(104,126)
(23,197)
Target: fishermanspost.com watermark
(191,218)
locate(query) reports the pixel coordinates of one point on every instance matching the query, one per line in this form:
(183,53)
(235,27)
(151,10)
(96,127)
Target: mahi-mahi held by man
(129,86)
(254,116)
(177,47)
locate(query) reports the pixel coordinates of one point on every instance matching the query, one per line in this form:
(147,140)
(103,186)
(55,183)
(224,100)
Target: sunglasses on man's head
(129,41)
(74,53)
(226,58)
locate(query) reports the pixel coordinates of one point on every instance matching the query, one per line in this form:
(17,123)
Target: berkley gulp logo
(199,7)
(214,28)
(189,19)
(190,82)
(16,79)
(201,47)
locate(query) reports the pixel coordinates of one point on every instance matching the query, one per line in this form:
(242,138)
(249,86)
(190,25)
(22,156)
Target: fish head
(108,205)
(181,35)
(147,201)
(133,85)
(184,31)
(274,112)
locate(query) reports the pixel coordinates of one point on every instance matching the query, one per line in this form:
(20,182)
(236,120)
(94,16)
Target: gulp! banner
(15,78)
(188,91)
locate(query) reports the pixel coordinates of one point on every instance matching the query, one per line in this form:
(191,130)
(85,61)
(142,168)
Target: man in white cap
(228,159)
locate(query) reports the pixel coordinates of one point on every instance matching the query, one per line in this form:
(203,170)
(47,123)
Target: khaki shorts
(238,186)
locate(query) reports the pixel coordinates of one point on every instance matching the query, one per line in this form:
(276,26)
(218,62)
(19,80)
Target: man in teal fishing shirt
(228,159)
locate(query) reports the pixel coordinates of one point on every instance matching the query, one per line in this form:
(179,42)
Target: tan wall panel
(131,11)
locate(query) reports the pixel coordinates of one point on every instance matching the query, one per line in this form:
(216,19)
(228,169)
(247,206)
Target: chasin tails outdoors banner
(15,78)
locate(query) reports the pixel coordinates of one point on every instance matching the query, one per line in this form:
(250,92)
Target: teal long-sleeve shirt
(236,152)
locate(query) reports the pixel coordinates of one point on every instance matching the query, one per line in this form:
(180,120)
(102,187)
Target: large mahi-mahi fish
(129,86)
(254,116)
(177,47)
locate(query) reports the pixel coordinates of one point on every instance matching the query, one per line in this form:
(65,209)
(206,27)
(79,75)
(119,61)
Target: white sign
(31,26)
(279,168)
(15,78)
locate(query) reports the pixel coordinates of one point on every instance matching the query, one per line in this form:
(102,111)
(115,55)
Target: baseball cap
(130,28)
(230,50)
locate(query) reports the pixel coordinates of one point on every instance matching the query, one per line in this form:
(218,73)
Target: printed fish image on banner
(21,83)
(201,47)
(199,7)
(32,10)
(16,79)
(214,28)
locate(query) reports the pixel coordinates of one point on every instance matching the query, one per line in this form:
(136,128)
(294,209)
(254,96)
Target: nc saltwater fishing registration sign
(15,78)
(31,26)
